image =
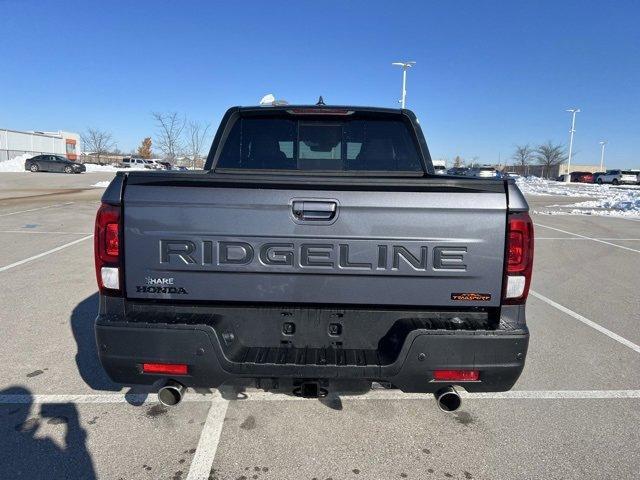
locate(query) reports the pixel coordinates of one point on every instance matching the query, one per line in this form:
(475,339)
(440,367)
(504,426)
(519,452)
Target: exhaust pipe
(448,399)
(171,393)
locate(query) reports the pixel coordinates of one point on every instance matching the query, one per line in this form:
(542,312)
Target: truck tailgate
(219,243)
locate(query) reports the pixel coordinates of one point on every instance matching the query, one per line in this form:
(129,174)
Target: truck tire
(615,181)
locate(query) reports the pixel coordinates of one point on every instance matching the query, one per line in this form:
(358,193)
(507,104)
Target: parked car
(440,169)
(483,172)
(577,177)
(158,164)
(129,162)
(53,163)
(460,171)
(616,177)
(272,271)
(513,175)
(180,168)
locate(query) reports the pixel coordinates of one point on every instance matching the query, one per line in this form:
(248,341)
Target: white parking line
(581,238)
(205,453)
(587,238)
(40,255)
(35,209)
(553,394)
(44,232)
(260,396)
(137,398)
(586,321)
(383,394)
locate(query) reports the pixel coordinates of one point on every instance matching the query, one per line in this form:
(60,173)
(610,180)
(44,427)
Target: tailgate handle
(314,211)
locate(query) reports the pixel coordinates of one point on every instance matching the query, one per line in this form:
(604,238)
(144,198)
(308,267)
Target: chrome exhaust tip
(448,399)
(171,393)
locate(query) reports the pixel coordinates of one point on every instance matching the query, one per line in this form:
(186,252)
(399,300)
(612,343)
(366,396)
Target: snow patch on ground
(15,164)
(595,213)
(622,201)
(92,168)
(540,186)
(103,184)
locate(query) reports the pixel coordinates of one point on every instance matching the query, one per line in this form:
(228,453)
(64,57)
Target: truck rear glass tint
(328,144)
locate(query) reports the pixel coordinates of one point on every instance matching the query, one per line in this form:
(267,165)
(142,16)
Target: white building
(14,143)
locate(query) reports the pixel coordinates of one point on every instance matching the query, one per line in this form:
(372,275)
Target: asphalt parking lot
(574,413)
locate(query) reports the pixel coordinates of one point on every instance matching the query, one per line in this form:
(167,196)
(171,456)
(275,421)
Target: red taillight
(456,375)
(111,239)
(165,368)
(519,261)
(107,248)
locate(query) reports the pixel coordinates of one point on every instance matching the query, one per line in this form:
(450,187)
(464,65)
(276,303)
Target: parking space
(573,414)
(593,277)
(83,440)
(411,439)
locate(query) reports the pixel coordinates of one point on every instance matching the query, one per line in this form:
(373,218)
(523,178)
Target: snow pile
(91,167)
(595,213)
(622,201)
(15,164)
(626,202)
(540,186)
(103,184)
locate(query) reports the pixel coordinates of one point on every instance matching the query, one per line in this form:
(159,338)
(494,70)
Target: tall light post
(405,66)
(602,144)
(573,111)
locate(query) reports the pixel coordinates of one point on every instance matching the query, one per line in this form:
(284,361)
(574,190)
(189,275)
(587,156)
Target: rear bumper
(499,355)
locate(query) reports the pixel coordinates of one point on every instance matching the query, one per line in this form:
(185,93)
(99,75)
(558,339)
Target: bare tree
(196,135)
(522,157)
(97,142)
(458,161)
(550,155)
(170,127)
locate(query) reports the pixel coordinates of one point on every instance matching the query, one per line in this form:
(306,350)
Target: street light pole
(602,144)
(573,111)
(405,66)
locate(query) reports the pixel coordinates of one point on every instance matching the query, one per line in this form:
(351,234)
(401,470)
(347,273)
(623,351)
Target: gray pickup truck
(317,252)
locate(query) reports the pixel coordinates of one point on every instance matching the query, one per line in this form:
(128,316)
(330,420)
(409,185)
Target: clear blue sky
(490,75)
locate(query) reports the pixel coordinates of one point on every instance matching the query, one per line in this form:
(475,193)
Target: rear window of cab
(326,144)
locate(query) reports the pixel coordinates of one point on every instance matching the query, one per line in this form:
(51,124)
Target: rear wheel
(615,181)
(68,170)
(34,167)
(599,181)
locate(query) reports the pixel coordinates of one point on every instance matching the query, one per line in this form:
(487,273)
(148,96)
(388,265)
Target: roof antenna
(320,102)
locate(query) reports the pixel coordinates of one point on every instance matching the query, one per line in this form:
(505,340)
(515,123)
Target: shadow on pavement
(83,326)
(28,451)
